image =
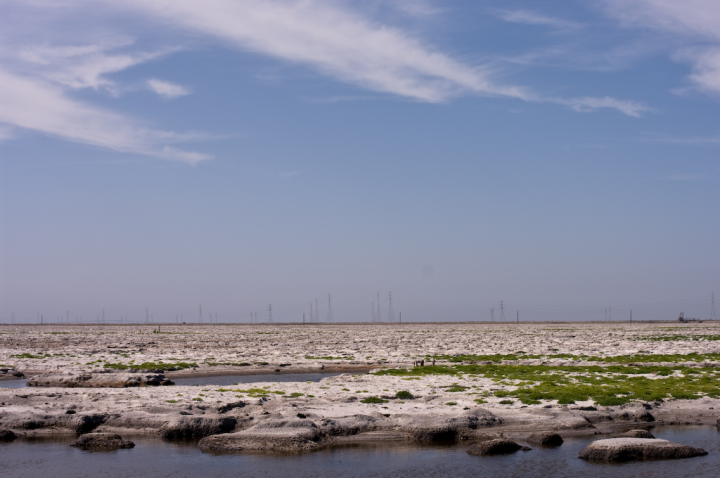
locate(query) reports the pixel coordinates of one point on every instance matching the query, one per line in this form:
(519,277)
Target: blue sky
(559,156)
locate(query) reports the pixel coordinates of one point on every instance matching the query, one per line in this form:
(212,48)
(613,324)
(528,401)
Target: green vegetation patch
(404,395)
(310,357)
(605,385)
(149,365)
(373,400)
(31,356)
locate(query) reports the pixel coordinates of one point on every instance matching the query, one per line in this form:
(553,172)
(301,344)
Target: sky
(477,160)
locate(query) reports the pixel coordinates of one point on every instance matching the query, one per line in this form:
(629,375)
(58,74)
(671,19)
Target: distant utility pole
(378,315)
(67,316)
(391,313)
(610,313)
(401,317)
(270,319)
(311,312)
(330,317)
(713,314)
(502,311)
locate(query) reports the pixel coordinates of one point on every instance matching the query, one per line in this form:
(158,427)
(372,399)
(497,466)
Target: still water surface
(222,379)
(153,457)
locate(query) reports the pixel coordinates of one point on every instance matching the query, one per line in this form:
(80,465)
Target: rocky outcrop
(10,374)
(7,435)
(493,447)
(272,435)
(109,441)
(637,434)
(429,428)
(78,423)
(637,449)
(98,380)
(197,427)
(545,439)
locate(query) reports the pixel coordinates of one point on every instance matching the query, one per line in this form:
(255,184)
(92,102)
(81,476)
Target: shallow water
(222,379)
(267,377)
(153,457)
(13,383)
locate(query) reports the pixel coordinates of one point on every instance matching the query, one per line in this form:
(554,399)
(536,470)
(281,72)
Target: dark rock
(493,447)
(102,440)
(545,439)
(230,406)
(525,448)
(7,435)
(70,412)
(637,449)
(637,434)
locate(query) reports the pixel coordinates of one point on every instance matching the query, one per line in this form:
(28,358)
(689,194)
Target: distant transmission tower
(713,314)
(330,317)
(270,320)
(502,311)
(378,316)
(391,313)
(311,312)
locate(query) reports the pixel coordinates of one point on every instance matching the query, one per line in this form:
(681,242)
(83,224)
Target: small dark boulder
(637,434)
(7,435)
(493,447)
(109,441)
(545,439)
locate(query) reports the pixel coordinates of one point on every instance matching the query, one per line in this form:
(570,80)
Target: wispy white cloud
(41,106)
(589,103)
(167,89)
(83,66)
(695,24)
(40,70)
(528,17)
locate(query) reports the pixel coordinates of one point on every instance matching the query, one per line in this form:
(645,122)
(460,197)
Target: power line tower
(502,311)
(378,316)
(270,320)
(311,311)
(713,314)
(330,317)
(391,313)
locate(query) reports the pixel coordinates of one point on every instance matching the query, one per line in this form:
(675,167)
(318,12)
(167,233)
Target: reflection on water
(13,383)
(153,457)
(268,377)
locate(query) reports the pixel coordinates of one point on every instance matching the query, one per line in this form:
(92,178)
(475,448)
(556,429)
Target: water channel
(153,457)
